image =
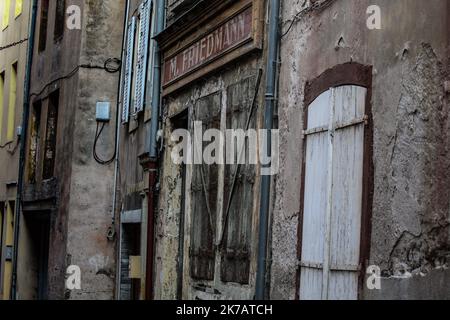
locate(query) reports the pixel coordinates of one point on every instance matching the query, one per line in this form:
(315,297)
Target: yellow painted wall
(5,17)
(18,10)
(9,241)
(12,103)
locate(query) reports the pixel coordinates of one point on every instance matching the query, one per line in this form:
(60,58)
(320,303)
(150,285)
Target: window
(142,56)
(12,103)
(221,233)
(43,26)
(2,104)
(18,9)
(50,137)
(6,10)
(205,183)
(180,6)
(35,134)
(59,20)
(128,70)
(137,60)
(335,197)
(238,195)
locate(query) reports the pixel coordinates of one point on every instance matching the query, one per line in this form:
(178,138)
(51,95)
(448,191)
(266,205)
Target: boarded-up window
(50,136)
(333,194)
(239,185)
(204,197)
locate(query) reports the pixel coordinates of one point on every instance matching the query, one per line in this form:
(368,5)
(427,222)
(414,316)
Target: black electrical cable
(108,66)
(13,44)
(97,158)
(8,144)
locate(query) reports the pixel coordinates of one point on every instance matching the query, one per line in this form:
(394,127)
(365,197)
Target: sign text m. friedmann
(230,34)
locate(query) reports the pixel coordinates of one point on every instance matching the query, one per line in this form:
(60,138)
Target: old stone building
(387,203)
(139,100)
(363,180)
(14,26)
(67,215)
(207,218)
(225,149)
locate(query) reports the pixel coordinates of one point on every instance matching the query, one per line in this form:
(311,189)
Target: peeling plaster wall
(90,209)
(410,59)
(168,219)
(56,61)
(133,180)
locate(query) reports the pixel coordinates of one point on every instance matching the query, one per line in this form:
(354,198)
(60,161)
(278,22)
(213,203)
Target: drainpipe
(26,112)
(273,46)
(112,230)
(152,166)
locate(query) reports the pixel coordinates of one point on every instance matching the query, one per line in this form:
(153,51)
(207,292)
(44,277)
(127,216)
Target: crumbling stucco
(409,55)
(168,220)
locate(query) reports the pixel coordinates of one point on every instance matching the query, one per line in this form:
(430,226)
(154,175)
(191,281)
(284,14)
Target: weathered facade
(139,119)
(136,103)
(67,217)
(206,225)
(403,71)
(14,25)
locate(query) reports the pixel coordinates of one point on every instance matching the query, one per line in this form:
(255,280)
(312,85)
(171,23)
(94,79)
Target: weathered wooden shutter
(128,71)
(151,54)
(143,50)
(333,193)
(204,198)
(236,250)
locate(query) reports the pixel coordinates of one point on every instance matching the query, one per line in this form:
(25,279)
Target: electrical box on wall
(103,111)
(19,131)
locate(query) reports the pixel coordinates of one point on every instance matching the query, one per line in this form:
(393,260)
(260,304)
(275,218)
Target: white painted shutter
(143,51)
(333,195)
(151,74)
(128,71)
